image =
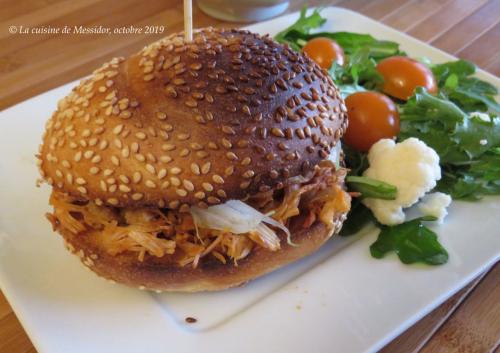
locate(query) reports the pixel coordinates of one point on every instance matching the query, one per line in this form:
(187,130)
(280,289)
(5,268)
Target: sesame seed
(94,170)
(118,143)
(113,188)
(195,168)
(118,129)
(124,179)
(248,174)
(168,147)
(125,114)
(162,173)
(82,190)
(183,137)
(112,201)
(207,186)
(188,185)
(205,168)
(64,163)
(150,168)
(88,154)
(136,177)
(137,196)
(150,184)
(175,181)
(59,173)
(161,115)
(140,135)
(277,132)
(78,156)
(184,152)
(115,161)
(181,192)
(200,195)
(232,156)
(140,157)
(103,145)
(96,159)
(165,159)
(218,179)
(108,172)
(103,185)
(202,154)
(228,130)
(213,200)
(226,143)
(175,170)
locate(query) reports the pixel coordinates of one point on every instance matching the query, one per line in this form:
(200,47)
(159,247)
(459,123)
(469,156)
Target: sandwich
(197,166)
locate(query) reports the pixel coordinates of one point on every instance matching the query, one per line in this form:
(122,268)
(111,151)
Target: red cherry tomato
(402,75)
(372,116)
(324,51)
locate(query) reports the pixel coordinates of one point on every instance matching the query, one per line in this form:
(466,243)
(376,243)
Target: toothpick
(188,21)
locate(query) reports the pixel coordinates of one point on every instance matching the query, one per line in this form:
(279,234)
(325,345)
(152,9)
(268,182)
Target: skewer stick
(188,21)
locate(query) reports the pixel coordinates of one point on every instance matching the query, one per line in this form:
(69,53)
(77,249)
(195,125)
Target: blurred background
(33,63)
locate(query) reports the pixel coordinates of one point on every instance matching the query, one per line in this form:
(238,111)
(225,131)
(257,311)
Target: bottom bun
(164,274)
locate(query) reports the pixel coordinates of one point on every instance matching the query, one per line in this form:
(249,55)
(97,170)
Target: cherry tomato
(324,51)
(372,116)
(402,75)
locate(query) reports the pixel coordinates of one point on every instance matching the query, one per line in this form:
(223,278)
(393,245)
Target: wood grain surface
(32,64)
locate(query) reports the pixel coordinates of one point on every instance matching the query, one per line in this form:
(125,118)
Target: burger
(200,165)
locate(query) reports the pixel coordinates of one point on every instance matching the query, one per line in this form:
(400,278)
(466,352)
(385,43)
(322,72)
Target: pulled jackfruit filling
(149,231)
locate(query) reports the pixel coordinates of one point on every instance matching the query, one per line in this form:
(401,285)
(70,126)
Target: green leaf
(476,136)
(372,188)
(303,26)
(469,93)
(356,161)
(412,242)
(460,68)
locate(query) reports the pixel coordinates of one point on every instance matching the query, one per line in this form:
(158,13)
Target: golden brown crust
(196,124)
(164,274)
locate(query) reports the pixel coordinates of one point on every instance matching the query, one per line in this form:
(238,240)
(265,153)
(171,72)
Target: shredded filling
(158,232)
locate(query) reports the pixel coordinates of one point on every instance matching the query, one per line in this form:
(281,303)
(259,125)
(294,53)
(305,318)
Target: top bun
(192,123)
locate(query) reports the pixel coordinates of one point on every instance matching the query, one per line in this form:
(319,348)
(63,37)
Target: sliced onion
(236,217)
(334,155)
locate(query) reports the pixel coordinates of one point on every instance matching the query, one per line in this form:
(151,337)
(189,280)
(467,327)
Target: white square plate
(337,300)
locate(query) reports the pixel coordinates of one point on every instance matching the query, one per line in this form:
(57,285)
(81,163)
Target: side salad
(437,115)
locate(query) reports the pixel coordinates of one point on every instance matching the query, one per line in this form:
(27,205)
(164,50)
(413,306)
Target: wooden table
(32,64)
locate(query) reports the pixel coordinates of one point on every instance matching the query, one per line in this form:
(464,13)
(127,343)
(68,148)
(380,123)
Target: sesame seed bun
(165,274)
(179,125)
(194,124)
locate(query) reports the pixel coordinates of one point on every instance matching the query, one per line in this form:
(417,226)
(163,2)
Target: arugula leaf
(469,93)
(459,68)
(359,70)
(412,242)
(465,144)
(372,188)
(356,161)
(303,25)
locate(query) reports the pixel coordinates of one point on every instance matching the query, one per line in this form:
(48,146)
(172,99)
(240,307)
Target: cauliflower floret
(411,166)
(435,204)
